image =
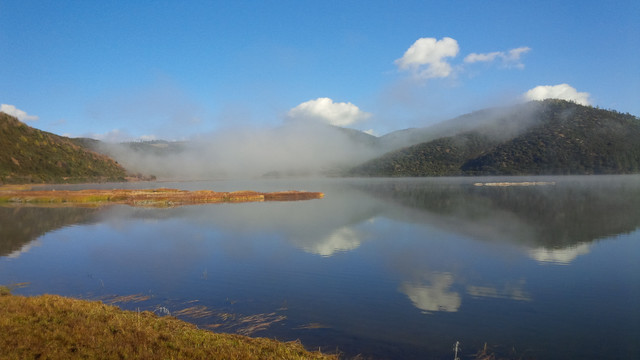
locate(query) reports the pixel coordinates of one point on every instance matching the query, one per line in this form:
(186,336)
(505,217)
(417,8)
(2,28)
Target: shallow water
(386,268)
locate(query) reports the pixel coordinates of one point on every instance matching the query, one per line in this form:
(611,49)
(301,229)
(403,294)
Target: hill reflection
(20,225)
(574,211)
(556,223)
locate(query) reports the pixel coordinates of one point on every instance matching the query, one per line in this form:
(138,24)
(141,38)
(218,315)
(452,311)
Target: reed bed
(162,197)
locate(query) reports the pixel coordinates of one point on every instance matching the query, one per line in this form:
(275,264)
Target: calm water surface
(386,268)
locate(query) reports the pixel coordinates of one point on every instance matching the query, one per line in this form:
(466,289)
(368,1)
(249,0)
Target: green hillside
(28,155)
(562,138)
(441,157)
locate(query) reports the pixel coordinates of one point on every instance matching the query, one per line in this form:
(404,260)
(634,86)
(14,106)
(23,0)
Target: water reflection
(575,210)
(342,239)
(397,268)
(562,256)
(434,294)
(552,221)
(511,291)
(21,225)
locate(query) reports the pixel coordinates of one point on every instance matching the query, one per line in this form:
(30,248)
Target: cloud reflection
(342,239)
(558,256)
(434,296)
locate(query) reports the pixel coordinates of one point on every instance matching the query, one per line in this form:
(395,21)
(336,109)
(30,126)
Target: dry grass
(125,298)
(223,321)
(14,187)
(311,326)
(195,312)
(54,327)
(153,197)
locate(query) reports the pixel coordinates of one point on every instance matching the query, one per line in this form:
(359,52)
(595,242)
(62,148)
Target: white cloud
(515,54)
(324,109)
(488,57)
(509,58)
(426,57)
(562,91)
(13,111)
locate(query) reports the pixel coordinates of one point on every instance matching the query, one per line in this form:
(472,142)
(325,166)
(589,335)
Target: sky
(143,70)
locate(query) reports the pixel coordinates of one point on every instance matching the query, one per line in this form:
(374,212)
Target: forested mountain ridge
(29,155)
(561,137)
(550,137)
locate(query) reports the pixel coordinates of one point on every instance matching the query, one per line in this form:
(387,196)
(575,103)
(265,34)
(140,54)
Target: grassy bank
(55,327)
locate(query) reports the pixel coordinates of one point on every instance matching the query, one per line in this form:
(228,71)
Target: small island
(161,197)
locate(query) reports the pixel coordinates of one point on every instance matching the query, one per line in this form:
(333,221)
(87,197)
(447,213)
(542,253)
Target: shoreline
(161,197)
(62,328)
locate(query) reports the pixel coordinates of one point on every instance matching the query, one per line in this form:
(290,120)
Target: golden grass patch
(55,327)
(154,197)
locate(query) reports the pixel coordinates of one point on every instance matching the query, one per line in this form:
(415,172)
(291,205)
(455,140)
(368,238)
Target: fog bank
(293,149)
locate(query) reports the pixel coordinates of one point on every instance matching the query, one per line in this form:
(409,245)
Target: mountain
(29,155)
(540,137)
(501,122)
(151,147)
(359,137)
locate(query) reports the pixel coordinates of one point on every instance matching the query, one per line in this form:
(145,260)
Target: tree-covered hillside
(28,155)
(441,157)
(562,138)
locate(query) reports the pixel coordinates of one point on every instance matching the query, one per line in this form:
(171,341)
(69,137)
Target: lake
(385,268)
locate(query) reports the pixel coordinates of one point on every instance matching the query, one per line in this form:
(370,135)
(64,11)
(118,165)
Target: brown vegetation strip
(154,197)
(195,312)
(125,298)
(312,326)
(232,323)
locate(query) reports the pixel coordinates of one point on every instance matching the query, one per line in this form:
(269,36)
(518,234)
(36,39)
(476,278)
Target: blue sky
(120,70)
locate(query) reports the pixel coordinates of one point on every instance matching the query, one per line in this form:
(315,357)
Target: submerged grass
(55,327)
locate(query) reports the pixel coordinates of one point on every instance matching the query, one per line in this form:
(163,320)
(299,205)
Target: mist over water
(295,148)
(304,147)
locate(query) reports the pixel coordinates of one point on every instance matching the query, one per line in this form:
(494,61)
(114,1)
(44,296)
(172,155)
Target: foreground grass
(55,327)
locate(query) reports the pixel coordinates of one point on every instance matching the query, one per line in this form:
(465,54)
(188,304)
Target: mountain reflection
(556,223)
(575,211)
(20,225)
